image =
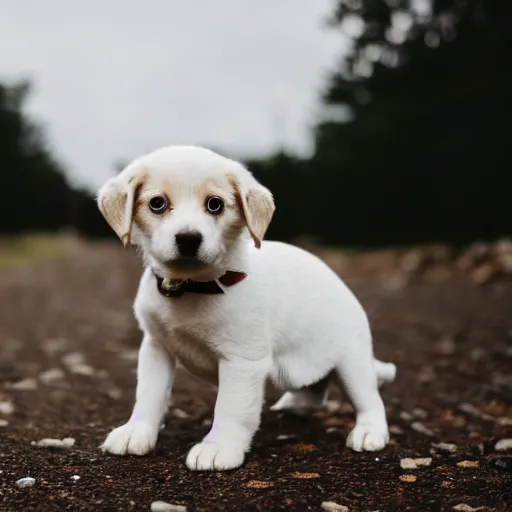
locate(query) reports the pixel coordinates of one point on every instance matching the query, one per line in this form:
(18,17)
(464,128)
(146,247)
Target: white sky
(114,79)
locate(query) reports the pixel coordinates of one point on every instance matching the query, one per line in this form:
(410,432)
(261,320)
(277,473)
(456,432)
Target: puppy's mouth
(185,263)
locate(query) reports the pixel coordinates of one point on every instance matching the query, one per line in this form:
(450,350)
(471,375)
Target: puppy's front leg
(154,379)
(236,418)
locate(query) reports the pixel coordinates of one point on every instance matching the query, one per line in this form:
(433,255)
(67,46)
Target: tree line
(412,145)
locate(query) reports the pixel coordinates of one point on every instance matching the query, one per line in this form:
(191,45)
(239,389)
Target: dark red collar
(177,287)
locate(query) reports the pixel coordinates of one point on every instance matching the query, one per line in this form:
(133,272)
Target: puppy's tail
(386,372)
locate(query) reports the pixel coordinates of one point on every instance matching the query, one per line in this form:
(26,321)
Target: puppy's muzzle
(188,243)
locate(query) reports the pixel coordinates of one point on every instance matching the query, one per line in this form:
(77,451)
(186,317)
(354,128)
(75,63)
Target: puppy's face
(186,208)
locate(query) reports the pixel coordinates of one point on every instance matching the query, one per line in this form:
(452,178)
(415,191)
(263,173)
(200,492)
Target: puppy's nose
(188,242)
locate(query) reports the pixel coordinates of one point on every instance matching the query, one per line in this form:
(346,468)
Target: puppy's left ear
(116,201)
(257,208)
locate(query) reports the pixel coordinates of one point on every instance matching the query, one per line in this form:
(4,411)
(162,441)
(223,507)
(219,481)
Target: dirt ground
(67,360)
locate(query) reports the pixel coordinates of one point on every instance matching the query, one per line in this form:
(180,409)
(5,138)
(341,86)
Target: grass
(18,251)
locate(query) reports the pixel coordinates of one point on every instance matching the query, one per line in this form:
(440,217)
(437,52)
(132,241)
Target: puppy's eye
(158,204)
(214,205)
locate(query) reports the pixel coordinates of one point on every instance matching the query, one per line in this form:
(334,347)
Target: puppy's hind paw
(369,438)
(131,438)
(211,456)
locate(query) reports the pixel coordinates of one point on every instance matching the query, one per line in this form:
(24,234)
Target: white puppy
(231,309)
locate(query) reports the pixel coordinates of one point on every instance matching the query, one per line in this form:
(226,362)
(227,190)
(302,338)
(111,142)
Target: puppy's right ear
(116,201)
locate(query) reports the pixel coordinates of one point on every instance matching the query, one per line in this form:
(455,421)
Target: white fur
(292,320)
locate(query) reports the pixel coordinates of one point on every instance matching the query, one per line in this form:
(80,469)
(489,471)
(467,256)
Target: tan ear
(257,208)
(116,200)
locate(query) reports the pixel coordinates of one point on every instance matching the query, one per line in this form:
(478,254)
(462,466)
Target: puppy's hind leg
(309,397)
(360,376)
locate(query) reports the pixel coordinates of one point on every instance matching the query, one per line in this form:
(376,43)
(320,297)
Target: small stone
(65,443)
(408,478)
(114,393)
(6,407)
(73,359)
(26,482)
(446,347)
(446,447)
(28,384)
(464,507)
(504,421)
(3,423)
(82,369)
(207,422)
(162,506)
(409,463)
(259,484)
(51,375)
(420,413)
(503,445)
(468,464)
(298,474)
(130,355)
(330,430)
(330,506)
(283,437)
(406,416)
(422,429)
(180,413)
(75,478)
(395,429)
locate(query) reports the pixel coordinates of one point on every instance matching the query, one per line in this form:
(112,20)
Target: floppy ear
(257,208)
(116,200)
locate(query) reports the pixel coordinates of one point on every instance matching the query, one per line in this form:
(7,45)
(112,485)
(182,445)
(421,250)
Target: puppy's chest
(193,343)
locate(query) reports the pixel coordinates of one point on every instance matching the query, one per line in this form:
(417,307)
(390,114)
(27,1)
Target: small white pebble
(180,413)
(504,421)
(51,375)
(207,422)
(330,430)
(26,482)
(114,393)
(162,506)
(422,429)
(503,445)
(409,463)
(420,413)
(446,447)
(73,359)
(65,443)
(283,437)
(377,459)
(3,423)
(82,369)
(75,478)
(6,407)
(330,506)
(28,384)
(130,355)
(406,416)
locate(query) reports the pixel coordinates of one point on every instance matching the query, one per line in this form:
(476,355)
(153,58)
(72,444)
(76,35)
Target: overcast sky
(117,78)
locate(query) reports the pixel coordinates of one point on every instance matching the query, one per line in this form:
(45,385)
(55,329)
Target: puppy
(232,309)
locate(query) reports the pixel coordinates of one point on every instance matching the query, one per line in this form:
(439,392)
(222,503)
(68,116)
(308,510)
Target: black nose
(188,242)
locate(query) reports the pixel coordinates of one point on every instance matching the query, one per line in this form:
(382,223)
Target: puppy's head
(187,208)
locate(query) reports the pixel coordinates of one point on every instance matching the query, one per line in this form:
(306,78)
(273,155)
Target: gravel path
(67,359)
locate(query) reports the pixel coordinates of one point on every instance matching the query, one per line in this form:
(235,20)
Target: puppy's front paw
(370,437)
(211,456)
(131,438)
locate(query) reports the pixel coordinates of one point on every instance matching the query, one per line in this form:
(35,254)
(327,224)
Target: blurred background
(374,122)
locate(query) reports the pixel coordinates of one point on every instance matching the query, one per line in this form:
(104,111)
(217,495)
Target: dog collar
(177,287)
